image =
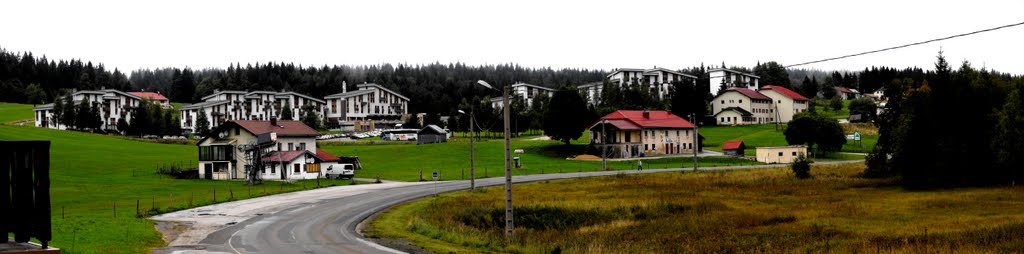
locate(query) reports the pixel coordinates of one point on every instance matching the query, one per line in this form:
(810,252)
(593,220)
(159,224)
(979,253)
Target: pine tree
(34,94)
(286,112)
(202,125)
(1008,142)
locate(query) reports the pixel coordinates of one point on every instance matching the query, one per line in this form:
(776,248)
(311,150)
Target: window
(654,146)
(279,146)
(741,101)
(723,101)
(237,131)
(780,154)
(794,153)
(645,147)
(297,166)
(273,170)
(291,146)
(302,146)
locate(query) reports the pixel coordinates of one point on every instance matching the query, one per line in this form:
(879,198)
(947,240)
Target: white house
(787,102)
(591,92)
(658,79)
(371,104)
(736,106)
(114,105)
(525,91)
(294,156)
(730,78)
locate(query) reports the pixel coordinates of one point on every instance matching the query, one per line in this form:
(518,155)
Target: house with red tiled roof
(293,155)
(154,97)
(847,93)
(738,106)
(734,148)
(787,102)
(636,133)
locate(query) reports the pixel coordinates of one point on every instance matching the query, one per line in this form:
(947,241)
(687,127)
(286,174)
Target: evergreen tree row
(25,78)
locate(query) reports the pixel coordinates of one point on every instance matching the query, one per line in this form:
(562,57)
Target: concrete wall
(782,154)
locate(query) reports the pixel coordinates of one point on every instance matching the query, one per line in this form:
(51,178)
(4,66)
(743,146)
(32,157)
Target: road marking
(233,237)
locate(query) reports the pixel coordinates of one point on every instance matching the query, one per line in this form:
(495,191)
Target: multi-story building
(787,102)
(742,106)
(157,98)
(525,91)
(591,92)
(730,78)
(294,155)
(114,105)
(223,106)
(368,106)
(658,79)
(636,133)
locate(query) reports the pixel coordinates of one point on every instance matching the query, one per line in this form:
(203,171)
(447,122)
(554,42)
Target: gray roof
(741,111)
(282,94)
(43,107)
(530,85)
(432,128)
(593,84)
(222,92)
(349,94)
(364,87)
(733,71)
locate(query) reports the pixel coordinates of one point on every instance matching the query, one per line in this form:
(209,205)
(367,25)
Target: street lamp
(693,117)
(508,161)
(472,157)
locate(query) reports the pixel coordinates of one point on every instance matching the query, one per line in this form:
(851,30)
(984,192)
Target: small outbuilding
(780,154)
(431,134)
(734,148)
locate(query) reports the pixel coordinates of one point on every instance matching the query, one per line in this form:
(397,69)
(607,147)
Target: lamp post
(693,117)
(508,162)
(472,156)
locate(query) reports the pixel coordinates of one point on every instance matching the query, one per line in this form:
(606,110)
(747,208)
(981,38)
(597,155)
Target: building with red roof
(737,105)
(734,148)
(154,97)
(636,133)
(787,102)
(294,155)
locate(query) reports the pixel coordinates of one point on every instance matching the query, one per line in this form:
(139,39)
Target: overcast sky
(580,34)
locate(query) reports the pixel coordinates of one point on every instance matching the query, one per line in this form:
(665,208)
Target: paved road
(332,226)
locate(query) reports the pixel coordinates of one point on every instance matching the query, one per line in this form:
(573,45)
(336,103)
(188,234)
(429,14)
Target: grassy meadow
(758,210)
(90,174)
(10,112)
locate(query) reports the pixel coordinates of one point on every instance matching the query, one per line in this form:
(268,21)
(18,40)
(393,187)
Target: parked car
(340,171)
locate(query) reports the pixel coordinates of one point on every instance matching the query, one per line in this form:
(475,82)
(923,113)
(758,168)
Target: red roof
(285,156)
(326,156)
(843,89)
(732,145)
(283,128)
(749,93)
(786,92)
(150,95)
(634,119)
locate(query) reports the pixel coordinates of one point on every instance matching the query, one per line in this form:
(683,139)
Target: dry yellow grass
(762,210)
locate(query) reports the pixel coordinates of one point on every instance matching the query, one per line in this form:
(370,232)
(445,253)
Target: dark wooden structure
(431,134)
(25,191)
(734,148)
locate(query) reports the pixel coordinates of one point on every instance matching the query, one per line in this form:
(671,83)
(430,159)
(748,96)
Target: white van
(340,171)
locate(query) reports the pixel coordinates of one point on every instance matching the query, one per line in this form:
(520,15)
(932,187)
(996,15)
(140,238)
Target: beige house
(787,102)
(737,106)
(636,133)
(780,154)
(221,156)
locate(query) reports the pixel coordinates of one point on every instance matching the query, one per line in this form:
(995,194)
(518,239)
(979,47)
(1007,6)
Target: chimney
(647,114)
(344,87)
(273,121)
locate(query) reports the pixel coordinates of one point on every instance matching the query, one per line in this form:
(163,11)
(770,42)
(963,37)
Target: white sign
(435,175)
(856,136)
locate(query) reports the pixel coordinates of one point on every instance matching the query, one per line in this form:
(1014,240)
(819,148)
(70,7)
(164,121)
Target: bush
(835,103)
(802,167)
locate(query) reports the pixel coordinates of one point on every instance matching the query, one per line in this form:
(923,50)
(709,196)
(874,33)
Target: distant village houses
(114,105)
(157,98)
(770,104)
(525,91)
(224,106)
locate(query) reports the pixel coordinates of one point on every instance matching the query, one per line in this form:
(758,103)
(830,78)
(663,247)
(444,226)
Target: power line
(908,45)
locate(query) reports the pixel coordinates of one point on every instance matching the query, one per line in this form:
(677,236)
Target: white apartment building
(787,102)
(224,106)
(113,104)
(525,91)
(370,102)
(658,79)
(730,78)
(738,106)
(591,92)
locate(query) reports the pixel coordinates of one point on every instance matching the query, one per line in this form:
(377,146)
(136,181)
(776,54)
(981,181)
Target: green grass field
(743,211)
(10,112)
(91,174)
(767,135)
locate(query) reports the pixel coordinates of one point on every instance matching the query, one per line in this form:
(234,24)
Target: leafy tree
(122,125)
(865,107)
(286,112)
(835,104)
(310,117)
(801,167)
(35,94)
(170,123)
(58,111)
(819,132)
(565,117)
(688,99)
(1008,141)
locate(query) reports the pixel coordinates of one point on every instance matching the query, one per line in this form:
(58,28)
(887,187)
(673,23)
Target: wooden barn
(734,148)
(431,134)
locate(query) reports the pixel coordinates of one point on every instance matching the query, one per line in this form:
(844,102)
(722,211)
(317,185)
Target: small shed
(780,154)
(734,148)
(431,134)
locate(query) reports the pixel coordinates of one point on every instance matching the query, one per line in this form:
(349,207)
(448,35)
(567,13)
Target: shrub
(835,103)
(802,167)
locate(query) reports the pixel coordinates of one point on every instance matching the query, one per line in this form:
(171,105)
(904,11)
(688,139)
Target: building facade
(639,133)
(370,105)
(293,156)
(738,106)
(658,80)
(525,91)
(780,154)
(720,77)
(787,102)
(224,106)
(113,105)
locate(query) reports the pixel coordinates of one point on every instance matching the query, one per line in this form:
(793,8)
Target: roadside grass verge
(757,210)
(92,174)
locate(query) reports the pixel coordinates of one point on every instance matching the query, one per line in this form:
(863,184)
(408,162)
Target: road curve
(332,225)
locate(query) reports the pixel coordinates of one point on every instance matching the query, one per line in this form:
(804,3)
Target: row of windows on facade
(684,146)
(745,119)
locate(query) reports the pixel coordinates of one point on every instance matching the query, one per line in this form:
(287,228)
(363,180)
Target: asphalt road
(332,226)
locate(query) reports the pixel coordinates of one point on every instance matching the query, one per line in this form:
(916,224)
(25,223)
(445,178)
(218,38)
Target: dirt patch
(586,157)
(170,230)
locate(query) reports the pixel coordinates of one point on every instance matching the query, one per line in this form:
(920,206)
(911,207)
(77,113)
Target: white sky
(583,34)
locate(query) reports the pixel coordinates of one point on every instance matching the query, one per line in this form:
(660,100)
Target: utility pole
(604,147)
(696,145)
(509,226)
(472,156)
